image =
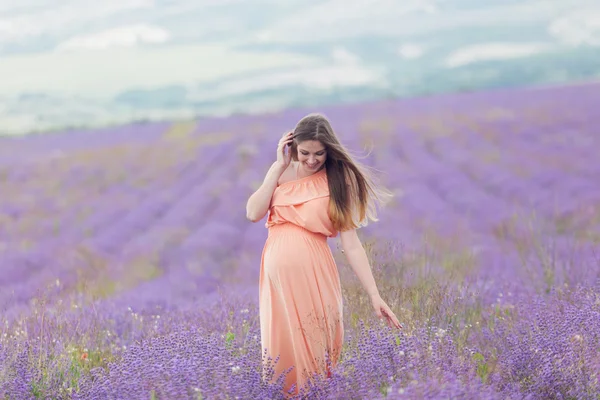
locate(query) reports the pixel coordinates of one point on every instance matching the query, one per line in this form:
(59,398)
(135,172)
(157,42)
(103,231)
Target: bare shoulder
(288,174)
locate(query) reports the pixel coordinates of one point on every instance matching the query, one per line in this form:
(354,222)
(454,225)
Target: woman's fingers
(285,139)
(286,136)
(392,320)
(284,142)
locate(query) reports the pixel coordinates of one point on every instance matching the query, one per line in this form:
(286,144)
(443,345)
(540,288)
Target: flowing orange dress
(300,295)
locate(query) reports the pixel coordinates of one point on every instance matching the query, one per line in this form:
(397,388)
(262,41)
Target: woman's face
(311,154)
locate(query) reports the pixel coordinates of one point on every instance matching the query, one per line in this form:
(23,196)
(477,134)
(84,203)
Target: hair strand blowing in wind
(353,190)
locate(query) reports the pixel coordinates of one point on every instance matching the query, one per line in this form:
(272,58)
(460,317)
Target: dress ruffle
(303,202)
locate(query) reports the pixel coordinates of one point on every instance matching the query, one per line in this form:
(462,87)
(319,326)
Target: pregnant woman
(313,191)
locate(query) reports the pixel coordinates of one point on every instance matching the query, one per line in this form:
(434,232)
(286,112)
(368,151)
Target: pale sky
(99,48)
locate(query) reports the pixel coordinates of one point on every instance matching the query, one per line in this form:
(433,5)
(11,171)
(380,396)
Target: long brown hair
(353,191)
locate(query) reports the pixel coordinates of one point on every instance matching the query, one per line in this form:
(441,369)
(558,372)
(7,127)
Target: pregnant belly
(293,253)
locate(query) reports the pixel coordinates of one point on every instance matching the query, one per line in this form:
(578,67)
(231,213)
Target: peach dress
(300,295)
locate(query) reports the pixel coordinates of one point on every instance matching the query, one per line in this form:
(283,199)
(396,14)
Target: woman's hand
(383,311)
(283,158)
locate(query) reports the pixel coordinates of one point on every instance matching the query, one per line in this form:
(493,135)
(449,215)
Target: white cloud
(581,27)
(126,36)
(324,77)
(101,74)
(335,19)
(62,17)
(343,56)
(341,18)
(186,6)
(493,52)
(411,51)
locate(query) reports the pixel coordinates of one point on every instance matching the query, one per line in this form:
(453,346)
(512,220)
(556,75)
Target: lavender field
(129,271)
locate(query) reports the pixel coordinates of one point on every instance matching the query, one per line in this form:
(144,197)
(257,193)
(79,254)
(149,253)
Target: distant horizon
(78,63)
(316,108)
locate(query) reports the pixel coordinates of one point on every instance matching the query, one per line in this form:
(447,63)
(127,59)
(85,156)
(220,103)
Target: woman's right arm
(258,204)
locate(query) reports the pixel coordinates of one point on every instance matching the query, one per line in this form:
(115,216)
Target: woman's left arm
(357,258)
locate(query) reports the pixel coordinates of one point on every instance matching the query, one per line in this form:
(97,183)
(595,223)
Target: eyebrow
(318,151)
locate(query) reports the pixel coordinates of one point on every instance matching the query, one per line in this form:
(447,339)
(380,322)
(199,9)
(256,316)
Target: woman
(321,192)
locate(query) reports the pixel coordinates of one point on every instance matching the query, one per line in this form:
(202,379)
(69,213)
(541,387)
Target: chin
(312,168)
